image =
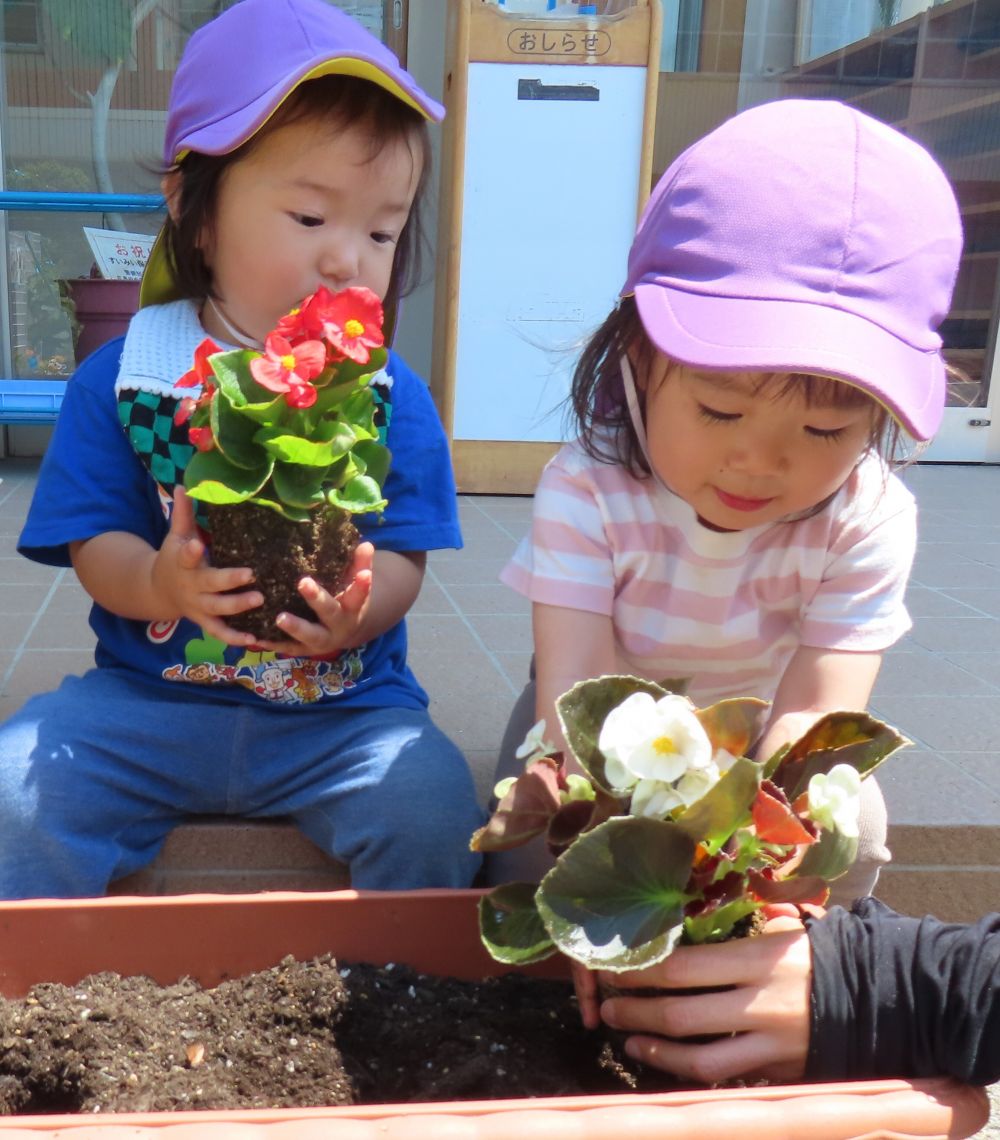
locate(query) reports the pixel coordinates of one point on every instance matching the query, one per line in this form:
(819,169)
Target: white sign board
(548,215)
(119,256)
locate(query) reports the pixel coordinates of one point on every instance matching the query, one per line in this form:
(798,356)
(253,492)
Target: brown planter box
(211,937)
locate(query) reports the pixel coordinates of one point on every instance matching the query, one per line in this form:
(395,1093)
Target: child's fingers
(217,628)
(677,1015)
(742,1054)
(585,985)
(182,523)
(221,580)
(191,553)
(357,592)
(305,638)
(225,605)
(742,961)
(364,557)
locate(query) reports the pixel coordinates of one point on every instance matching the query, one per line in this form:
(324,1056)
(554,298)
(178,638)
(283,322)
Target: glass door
(83,94)
(932,70)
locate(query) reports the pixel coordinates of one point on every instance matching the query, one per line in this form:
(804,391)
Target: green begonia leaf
(234,436)
(358,496)
(298,486)
(511,928)
(376,457)
(853,738)
(724,807)
(830,856)
(309,453)
(615,899)
(582,711)
(734,724)
(330,400)
(211,478)
(714,925)
(359,411)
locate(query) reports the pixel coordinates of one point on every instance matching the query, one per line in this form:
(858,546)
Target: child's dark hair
(336,100)
(599,413)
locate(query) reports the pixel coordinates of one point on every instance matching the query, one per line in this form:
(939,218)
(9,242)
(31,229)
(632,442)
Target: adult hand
(762,1014)
(182,576)
(340,616)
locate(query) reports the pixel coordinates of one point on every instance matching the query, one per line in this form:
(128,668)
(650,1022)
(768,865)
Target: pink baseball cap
(804,236)
(237,70)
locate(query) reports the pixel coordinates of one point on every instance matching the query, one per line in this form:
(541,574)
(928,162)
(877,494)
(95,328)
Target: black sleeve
(903,997)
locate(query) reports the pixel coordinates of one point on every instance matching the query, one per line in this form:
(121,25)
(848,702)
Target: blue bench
(30,401)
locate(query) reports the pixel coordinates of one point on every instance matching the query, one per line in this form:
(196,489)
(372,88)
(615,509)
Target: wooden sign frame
(482,32)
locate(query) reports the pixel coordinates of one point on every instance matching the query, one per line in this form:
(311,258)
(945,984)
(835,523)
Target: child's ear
(170,185)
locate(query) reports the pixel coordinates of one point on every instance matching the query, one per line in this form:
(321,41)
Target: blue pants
(94,775)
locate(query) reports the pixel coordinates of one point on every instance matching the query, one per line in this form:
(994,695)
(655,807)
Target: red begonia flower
(202,438)
(202,369)
(293,327)
(349,321)
(185,409)
(288,369)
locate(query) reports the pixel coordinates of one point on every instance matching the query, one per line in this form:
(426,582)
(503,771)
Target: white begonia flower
(696,782)
(655,799)
(835,800)
(723,760)
(660,740)
(534,746)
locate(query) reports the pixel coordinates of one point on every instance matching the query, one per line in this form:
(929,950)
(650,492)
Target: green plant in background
(672,833)
(40,245)
(102,33)
(888,13)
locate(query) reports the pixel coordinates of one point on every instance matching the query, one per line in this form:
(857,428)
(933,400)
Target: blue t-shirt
(92,480)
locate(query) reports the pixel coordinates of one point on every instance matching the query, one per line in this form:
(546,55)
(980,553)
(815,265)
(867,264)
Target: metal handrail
(69,201)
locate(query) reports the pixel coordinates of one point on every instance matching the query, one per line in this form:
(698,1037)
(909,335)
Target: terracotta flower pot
(103,310)
(211,937)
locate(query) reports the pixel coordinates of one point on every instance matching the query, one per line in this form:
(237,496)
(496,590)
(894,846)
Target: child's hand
(194,589)
(340,616)
(759,1007)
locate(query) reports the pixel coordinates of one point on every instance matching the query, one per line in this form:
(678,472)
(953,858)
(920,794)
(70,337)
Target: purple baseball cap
(237,70)
(804,236)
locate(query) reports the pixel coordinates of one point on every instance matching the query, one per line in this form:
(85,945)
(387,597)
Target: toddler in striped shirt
(728,512)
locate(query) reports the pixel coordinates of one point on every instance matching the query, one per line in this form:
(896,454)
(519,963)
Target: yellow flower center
(664,744)
(288,362)
(353,327)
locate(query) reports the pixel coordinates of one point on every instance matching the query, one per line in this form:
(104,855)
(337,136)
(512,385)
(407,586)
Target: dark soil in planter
(281,552)
(299,1035)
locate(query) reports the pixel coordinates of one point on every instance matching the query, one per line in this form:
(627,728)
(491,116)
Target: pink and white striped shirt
(726,610)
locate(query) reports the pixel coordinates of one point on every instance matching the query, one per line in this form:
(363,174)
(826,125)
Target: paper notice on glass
(119,256)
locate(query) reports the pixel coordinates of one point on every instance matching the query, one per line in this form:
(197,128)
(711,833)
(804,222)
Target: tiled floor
(470,639)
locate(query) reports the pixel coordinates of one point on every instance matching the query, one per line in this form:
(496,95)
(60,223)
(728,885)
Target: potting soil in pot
(298,1035)
(280,552)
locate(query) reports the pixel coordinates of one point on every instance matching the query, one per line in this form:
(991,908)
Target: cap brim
(792,336)
(232,131)
(157,284)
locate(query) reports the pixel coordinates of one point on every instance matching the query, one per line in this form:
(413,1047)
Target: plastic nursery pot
(211,937)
